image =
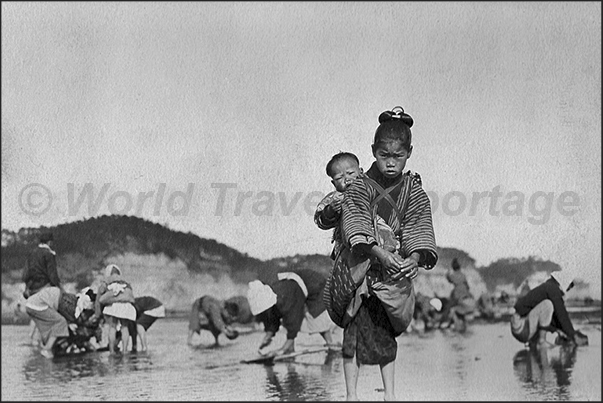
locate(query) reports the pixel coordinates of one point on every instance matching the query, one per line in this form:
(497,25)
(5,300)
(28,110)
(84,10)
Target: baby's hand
(336,206)
(337,202)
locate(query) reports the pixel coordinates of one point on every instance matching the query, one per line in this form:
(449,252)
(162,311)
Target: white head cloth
(436,303)
(260,297)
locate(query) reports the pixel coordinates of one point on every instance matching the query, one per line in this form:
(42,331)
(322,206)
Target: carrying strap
(385,194)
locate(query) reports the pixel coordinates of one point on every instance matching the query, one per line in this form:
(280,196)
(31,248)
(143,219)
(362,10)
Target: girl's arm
(393,263)
(417,232)
(358,231)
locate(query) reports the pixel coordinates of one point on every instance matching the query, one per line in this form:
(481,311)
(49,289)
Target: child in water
(369,338)
(116,299)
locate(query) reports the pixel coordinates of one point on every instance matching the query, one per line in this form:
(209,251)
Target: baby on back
(343,169)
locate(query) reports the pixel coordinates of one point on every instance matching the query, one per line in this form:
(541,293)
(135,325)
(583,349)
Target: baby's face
(343,172)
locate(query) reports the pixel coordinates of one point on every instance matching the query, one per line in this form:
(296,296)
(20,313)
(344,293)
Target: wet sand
(486,363)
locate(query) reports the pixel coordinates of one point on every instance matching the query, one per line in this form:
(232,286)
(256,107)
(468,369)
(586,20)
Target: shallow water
(485,363)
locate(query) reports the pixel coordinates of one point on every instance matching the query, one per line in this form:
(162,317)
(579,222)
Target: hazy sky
(252,99)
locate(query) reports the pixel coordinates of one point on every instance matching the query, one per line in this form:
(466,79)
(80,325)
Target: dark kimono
(370,335)
(291,302)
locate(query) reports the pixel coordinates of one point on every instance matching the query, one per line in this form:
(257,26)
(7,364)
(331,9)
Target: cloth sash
(295,277)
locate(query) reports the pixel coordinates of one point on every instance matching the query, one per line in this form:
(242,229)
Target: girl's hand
(391,262)
(409,269)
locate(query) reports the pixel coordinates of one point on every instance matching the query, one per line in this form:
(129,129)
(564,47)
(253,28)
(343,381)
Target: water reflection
(288,380)
(443,366)
(460,359)
(66,369)
(63,370)
(291,387)
(547,370)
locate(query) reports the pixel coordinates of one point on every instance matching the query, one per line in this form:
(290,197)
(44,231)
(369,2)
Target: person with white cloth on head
(543,310)
(115,299)
(295,301)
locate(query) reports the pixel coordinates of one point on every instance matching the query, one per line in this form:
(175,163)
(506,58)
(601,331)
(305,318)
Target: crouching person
(209,313)
(295,302)
(543,310)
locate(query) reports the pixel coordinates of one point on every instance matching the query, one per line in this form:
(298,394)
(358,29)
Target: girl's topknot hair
(394,125)
(397,113)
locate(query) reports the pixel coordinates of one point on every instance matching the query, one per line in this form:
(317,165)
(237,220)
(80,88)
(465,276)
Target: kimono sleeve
(417,229)
(320,219)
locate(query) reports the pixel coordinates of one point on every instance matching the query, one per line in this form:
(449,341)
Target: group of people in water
(70,323)
(382,234)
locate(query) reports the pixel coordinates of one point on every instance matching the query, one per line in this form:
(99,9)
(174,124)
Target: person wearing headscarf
(543,310)
(427,310)
(293,301)
(116,299)
(43,293)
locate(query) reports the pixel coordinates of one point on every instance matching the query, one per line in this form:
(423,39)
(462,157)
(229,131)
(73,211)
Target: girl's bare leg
(350,371)
(387,374)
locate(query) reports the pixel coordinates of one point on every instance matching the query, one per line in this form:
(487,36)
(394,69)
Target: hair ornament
(397,113)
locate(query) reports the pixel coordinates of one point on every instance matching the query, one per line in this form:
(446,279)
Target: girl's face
(391,158)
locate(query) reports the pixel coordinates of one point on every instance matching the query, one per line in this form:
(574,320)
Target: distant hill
(513,271)
(85,246)
(179,267)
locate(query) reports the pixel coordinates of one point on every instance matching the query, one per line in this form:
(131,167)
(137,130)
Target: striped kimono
(370,335)
(324,223)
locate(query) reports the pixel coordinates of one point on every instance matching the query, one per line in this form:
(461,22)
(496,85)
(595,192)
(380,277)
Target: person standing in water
(43,292)
(294,301)
(369,338)
(115,300)
(462,302)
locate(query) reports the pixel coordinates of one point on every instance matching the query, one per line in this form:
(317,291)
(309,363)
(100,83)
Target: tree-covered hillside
(179,267)
(83,247)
